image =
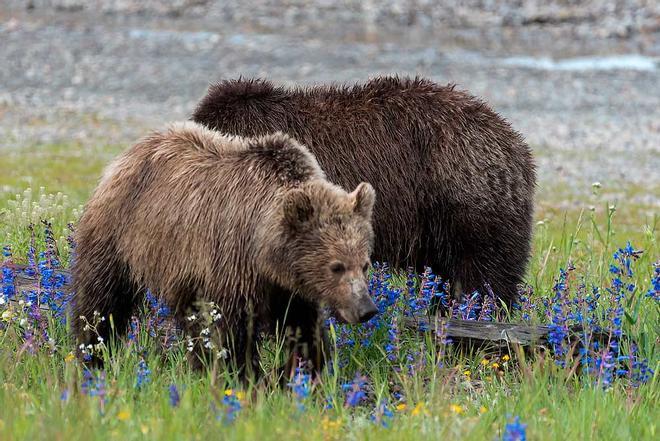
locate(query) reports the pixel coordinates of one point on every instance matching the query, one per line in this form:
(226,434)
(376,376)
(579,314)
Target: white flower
(100,339)
(192,318)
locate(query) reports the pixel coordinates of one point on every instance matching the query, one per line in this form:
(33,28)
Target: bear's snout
(358,307)
(367,308)
(363,307)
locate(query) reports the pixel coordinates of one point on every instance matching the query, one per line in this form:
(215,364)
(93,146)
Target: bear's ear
(365,197)
(298,208)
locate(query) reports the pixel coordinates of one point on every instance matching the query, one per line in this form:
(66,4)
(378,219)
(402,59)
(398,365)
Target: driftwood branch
(481,331)
(470,332)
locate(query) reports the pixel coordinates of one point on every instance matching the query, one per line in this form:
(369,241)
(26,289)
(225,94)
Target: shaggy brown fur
(455,182)
(250,224)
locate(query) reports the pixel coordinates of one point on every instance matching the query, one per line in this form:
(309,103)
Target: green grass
(466,398)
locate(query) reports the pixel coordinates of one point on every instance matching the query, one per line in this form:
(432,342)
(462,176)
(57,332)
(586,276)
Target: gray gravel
(582,83)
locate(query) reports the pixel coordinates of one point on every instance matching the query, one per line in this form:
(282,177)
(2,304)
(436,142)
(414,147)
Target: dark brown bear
(248,223)
(455,182)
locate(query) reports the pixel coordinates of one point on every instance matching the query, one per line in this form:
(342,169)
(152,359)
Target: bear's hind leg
(502,272)
(104,300)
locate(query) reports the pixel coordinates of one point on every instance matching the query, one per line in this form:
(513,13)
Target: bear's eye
(337,267)
(365,267)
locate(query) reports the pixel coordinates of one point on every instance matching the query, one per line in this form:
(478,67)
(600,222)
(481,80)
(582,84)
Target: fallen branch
(470,332)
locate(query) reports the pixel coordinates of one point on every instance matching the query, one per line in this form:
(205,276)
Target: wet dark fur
(247,223)
(455,182)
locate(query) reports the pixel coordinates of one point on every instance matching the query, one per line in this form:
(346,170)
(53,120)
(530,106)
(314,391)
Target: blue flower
(515,431)
(301,386)
(654,290)
(382,415)
(354,390)
(94,384)
(143,374)
(175,398)
(231,407)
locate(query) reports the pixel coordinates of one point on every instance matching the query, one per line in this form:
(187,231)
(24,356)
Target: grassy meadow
(384,382)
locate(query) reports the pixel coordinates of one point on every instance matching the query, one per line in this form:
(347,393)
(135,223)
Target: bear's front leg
(221,340)
(301,325)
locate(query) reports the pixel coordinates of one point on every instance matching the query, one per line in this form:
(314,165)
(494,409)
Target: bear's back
(178,201)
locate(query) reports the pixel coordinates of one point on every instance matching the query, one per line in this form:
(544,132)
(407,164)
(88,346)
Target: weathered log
(498,336)
(471,332)
(481,331)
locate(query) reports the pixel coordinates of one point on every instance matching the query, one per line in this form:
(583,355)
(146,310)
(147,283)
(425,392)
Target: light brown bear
(250,224)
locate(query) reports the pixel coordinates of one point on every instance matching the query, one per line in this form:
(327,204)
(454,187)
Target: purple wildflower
(94,385)
(392,347)
(231,407)
(488,305)
(469,308)
(654,290)
(143,374)
(301,386)
(640,372)
(175,398)
(354,390)
(8,276)
(558,309)
(382,415)
(442,340)
(526,304)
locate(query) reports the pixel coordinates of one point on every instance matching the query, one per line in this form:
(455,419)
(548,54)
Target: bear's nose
(367,308)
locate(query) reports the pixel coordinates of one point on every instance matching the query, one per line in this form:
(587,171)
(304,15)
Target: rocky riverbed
(581,83)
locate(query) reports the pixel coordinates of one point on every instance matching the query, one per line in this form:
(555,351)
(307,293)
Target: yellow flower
(240,395)
(419,408)
(495,365)
(467,373)
(484,362)
(229,392)
(401,407)
(483,409)
(69,357)
(144,429)
(457,409)
(506,358)
(6,316)
(123,415)
(330,425)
